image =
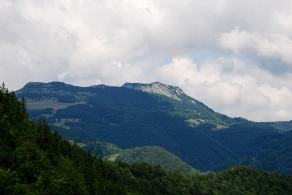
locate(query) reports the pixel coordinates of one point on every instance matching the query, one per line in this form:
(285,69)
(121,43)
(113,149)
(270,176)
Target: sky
(233,55)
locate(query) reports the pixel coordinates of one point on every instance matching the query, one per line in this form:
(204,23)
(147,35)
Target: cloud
(234,88)
(270,46)
(224,53)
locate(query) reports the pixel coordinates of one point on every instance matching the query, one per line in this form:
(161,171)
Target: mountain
(34,160)
(153,155)
(157,114)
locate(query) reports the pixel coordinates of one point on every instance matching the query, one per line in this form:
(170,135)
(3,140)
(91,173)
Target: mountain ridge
(141,87)
(154,88)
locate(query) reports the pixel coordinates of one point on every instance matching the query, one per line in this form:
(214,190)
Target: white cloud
(271,46)
(242,50)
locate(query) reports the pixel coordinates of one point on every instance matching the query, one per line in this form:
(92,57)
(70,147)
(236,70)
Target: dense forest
(35,160)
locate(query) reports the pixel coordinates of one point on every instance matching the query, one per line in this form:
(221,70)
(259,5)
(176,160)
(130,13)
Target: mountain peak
(157,88)
(50,84)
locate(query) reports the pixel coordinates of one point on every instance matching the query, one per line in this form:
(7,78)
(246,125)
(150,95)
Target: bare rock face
(157,88)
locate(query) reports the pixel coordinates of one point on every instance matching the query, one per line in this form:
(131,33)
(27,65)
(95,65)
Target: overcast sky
(234,55)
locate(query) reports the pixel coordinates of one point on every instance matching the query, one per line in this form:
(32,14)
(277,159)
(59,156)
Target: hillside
(156,156)
(36,161)
(153,155)
(157,114)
